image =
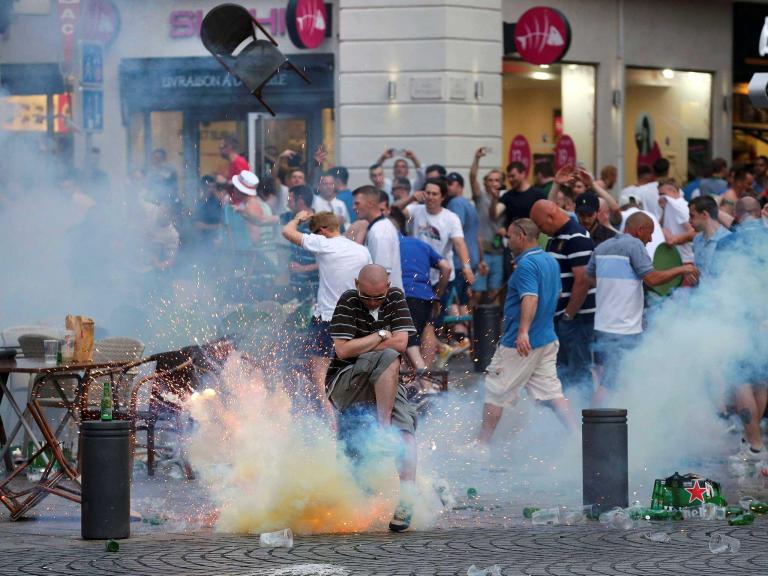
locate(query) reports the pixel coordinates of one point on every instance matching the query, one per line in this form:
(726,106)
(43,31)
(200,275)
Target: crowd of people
(394,267)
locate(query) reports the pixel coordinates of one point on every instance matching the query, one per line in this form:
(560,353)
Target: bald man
(572,247)
(370,329)
(619,267)
(527,354)
(748,247)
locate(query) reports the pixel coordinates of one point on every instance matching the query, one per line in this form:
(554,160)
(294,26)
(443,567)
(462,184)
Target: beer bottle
(757,507)
(528,511)
(741,520)
(106,402)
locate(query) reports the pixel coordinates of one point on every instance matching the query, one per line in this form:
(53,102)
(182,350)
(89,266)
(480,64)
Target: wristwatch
(382,334)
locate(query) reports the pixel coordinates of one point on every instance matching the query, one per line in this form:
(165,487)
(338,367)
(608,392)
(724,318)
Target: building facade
(639,80)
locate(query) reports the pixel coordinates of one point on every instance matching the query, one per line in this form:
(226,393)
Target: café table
(44,438)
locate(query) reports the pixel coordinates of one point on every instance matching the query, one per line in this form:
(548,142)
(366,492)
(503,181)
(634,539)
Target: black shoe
(401,519)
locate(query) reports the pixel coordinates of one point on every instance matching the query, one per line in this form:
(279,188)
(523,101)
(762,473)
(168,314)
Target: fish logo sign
(542,35)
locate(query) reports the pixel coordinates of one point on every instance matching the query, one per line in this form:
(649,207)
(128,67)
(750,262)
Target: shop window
(667,114)
(211,133)
(25,113)
(544,102)
(329,136)
(750,127)
(166,129)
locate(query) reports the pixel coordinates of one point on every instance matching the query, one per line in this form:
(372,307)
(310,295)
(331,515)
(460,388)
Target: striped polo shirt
(572,247)
(351,319)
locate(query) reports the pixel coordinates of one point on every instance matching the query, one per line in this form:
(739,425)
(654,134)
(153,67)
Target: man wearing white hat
(252,209)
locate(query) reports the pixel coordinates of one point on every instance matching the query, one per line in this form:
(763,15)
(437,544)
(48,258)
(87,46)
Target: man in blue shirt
(527,354)
(703,212)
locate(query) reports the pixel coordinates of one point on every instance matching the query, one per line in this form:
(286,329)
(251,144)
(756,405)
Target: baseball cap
(587,203)
(455,177)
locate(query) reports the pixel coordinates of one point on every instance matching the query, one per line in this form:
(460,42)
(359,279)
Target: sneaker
(401,520)
(746,453)
(442,357)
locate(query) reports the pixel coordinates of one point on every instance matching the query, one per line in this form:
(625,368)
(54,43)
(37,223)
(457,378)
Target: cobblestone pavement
(483,532)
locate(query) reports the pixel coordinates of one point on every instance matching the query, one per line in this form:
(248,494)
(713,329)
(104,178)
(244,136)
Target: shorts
(608,351)
(319,338)
(421,310)
(353,386)
(509,372)
(495,277)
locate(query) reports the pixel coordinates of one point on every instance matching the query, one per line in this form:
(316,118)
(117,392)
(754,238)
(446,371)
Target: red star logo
(696,493)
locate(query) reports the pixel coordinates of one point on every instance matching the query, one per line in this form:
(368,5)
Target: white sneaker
(746,453)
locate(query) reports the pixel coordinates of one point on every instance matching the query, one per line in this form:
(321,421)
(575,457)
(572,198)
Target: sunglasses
(370,298)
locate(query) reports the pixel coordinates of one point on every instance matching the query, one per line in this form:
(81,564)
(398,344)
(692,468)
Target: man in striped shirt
(572,247)
(370,328)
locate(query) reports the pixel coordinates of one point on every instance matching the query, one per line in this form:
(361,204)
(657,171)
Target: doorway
(269,136)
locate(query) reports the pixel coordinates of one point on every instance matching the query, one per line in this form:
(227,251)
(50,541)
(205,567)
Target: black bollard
(106,481)
(604,458)
(486,327)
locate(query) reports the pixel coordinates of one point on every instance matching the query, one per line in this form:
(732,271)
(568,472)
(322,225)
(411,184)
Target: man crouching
(370,328)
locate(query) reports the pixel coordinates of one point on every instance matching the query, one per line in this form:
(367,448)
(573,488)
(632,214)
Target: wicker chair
(120,349)
(173,381)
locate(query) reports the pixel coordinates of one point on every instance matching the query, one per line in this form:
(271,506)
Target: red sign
(307,21)
(69,12)
(186,23)
(100,21)
(565,152)
(542,35)
(520,151)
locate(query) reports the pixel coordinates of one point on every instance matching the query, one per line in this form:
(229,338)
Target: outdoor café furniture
(58,469)
(119,348)
(172,382)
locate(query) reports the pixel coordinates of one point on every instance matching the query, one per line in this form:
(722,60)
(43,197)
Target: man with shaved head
(572,247)
(370,328)
(619,267)
(527,354)
(747,246)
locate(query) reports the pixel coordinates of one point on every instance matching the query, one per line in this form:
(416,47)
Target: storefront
(635,82)
(37,113)
(750,55)
(186,105)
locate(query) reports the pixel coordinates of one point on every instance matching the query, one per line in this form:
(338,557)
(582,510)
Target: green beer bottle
(741,520)
(528,511)
(734,511)
(757,507)
(106,402)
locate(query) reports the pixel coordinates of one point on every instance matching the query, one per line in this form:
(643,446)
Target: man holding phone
(401,169)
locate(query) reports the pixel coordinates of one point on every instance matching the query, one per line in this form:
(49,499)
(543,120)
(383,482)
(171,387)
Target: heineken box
(685,492)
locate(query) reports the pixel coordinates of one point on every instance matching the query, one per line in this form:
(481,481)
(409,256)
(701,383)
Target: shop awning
(148,84)
(25,79)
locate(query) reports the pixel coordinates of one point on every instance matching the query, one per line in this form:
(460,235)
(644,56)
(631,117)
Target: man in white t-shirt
(339,260)
(675,224)
(441,229)
(648,194)
(644,176)
(325,200)
(381,237)
(619,267)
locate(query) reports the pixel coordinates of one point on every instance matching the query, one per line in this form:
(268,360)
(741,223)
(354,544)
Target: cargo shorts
(353,387)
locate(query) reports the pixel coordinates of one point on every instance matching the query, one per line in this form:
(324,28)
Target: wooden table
(19,502)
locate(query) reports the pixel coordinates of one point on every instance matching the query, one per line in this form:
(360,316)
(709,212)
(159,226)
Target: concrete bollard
(604,458)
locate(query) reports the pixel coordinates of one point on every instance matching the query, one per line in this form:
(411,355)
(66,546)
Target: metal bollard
(604,458)
(106,481)
(486,328)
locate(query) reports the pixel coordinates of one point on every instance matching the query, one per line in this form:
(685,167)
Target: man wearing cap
(587,209)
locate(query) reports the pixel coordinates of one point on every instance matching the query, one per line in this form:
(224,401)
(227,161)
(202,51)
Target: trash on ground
(490,571)
(546,517)
(112,546)
(616,518)
(662,537)
(720,543)
(528,511)
(472,493)
(741,520)
(278,539)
